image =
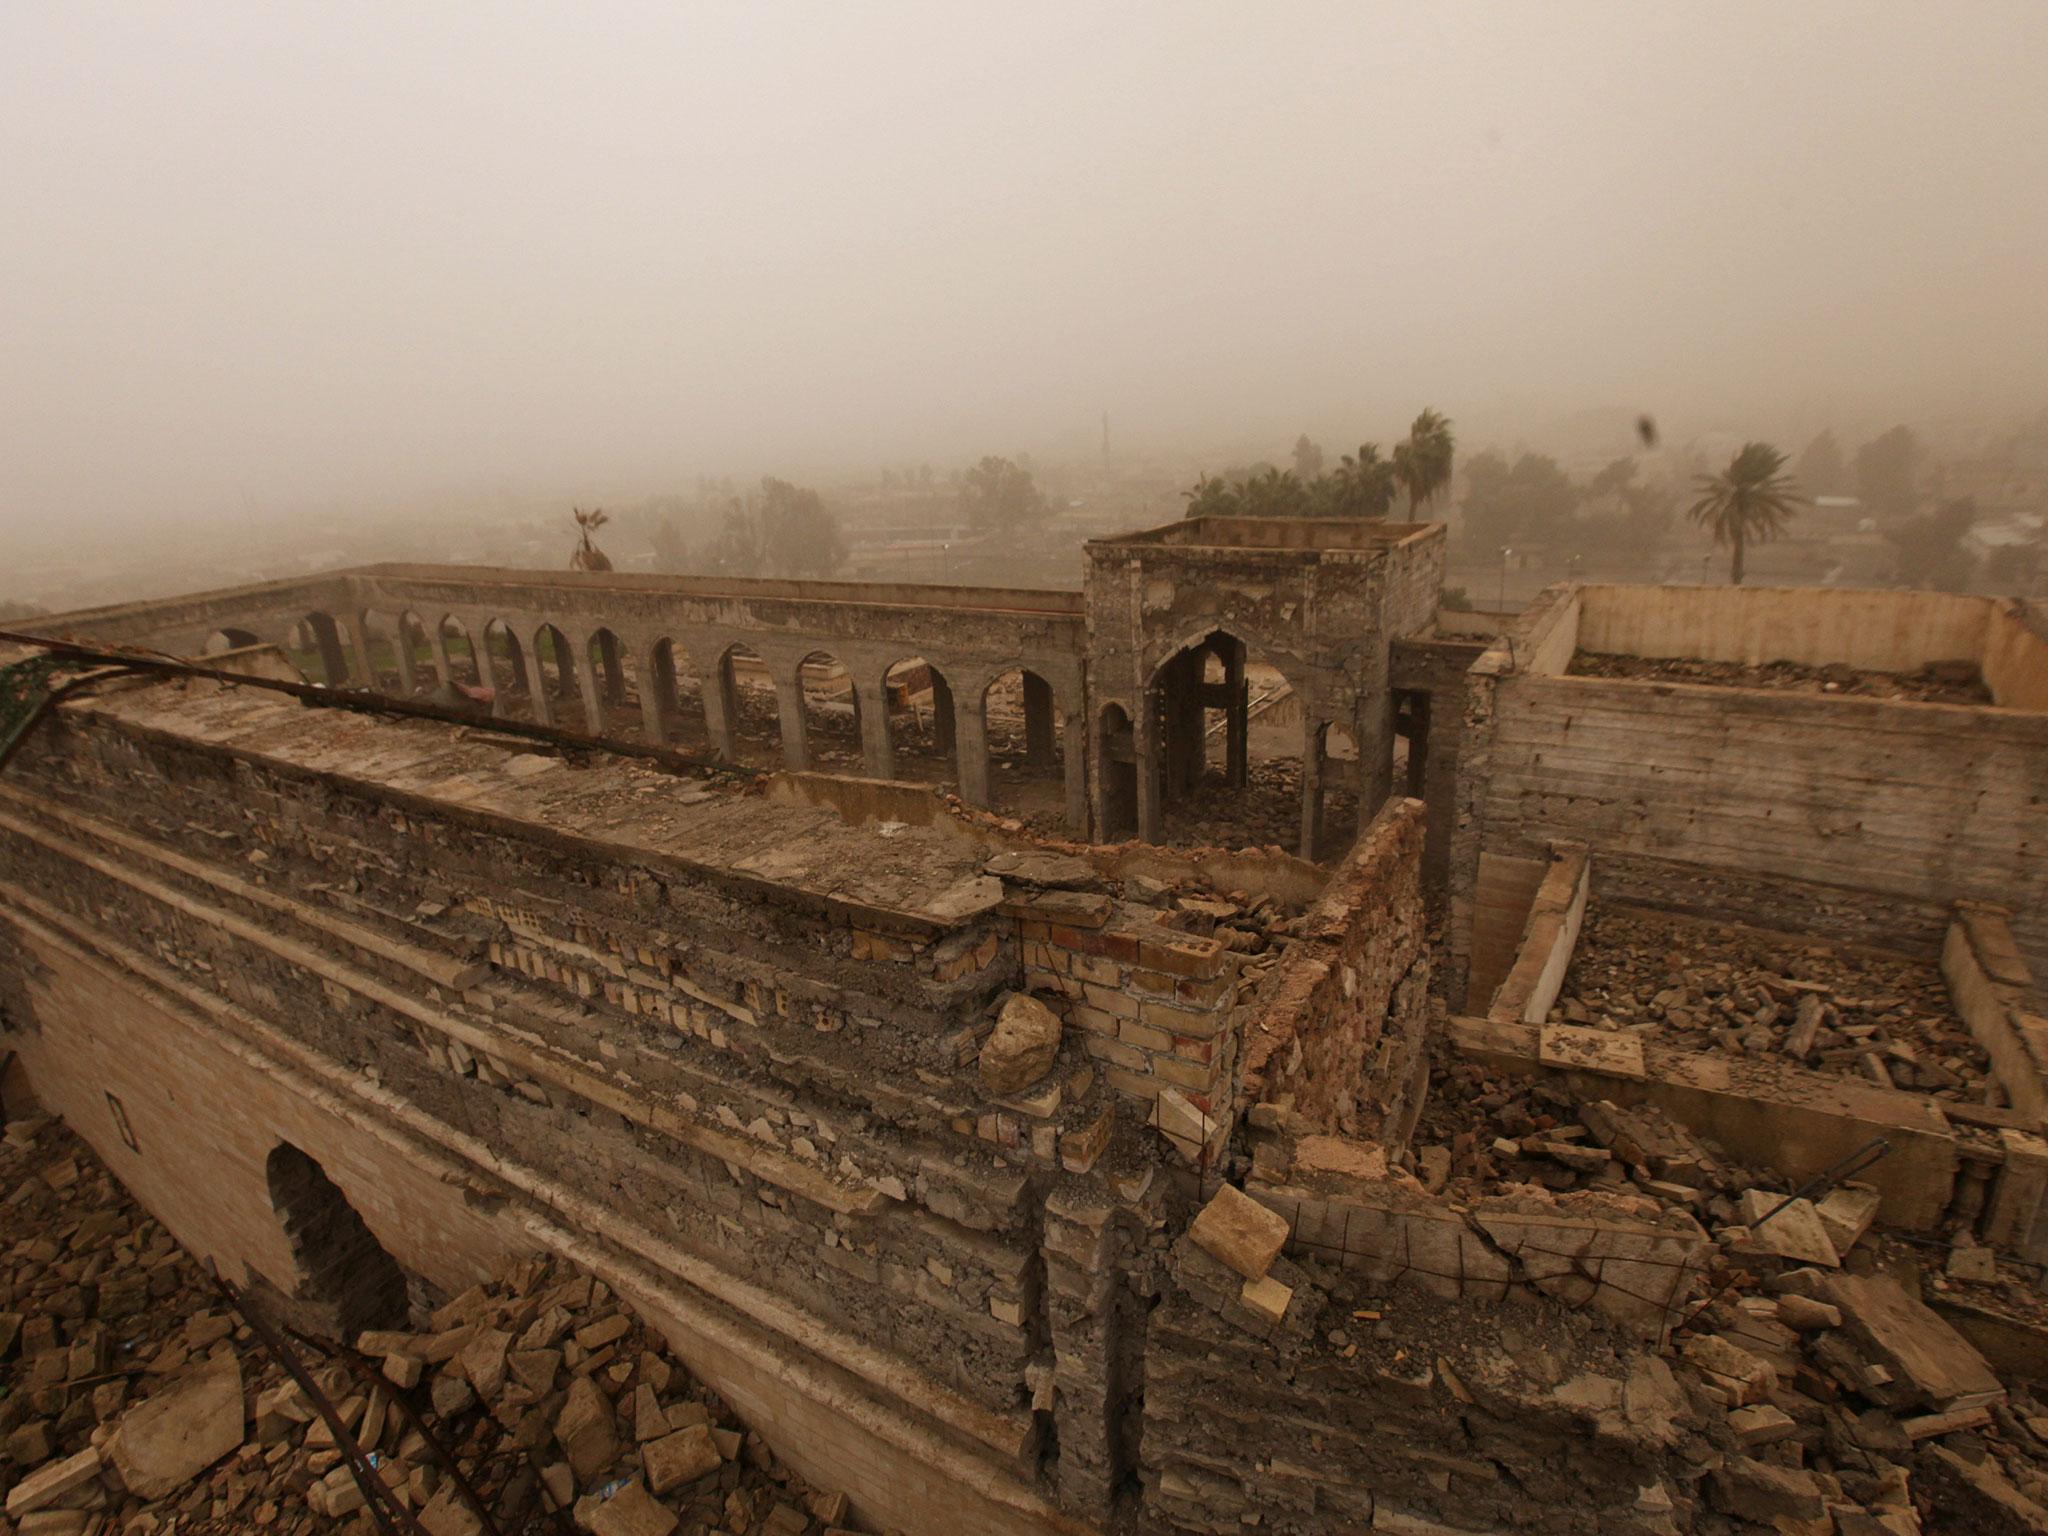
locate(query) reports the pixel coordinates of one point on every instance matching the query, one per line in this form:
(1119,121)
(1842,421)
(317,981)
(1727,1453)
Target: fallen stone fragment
(1022,1047)
(680,1458)
(1794,1232)
(586,1430)
(48,1484)
(1767,1494)
(166,1440)
(632,1512)
(1927,1360)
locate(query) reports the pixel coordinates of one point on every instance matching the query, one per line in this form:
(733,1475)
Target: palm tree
(1750,500)
(1422,464)
(1363,485)
(588,557)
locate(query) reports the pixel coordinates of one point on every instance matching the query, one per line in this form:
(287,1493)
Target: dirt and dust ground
(1941,683)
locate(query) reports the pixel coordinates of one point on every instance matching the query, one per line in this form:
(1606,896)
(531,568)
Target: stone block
(1242,1233)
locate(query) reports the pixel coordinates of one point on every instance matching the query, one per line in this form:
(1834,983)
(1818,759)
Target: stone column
(878,752)
(401,648)
(722,709)
(657,693)
(327,637)
(789,704)
(586,684)
(365,673)
(970,737)
(1375,736)
(438,644)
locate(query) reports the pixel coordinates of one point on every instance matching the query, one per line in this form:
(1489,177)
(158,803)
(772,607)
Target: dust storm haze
(265,264)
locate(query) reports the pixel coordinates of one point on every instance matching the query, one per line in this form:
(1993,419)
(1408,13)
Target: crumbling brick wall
(1337,1031)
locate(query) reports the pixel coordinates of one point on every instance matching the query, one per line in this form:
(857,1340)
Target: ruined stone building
(1422,1167)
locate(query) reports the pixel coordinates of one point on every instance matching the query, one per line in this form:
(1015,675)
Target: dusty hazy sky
(297,254)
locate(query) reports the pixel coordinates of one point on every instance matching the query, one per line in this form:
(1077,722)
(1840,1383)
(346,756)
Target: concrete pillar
(878,750)
(1074,766)
(438,644)
(586,685)
(1311,785)
(971,748)
(327,639)
(1039,724)
(537,691)
(722,710)
(401,647)
(364,674)
(657,693)
(789,706)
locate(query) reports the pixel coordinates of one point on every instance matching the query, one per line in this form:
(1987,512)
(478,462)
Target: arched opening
(380,636)
(1116,749)
(613,669)
(343,1281)
(1227,764)
(464,664)
(229,640)
(317,651)
(678,693)
(831,713)
(555,697)
(918,704)
(1026,758)
(753,708)
(18,1099)
(505,669)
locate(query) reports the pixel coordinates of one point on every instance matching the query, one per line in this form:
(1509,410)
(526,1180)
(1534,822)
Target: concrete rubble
(134,1401)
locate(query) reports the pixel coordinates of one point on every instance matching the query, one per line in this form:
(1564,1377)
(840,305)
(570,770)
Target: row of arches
(1223,749)
(1003,746)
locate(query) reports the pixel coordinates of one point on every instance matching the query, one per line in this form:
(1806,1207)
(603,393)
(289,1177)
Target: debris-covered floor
(1705,986)
(1939,683)
(1828,1363)
(134,1400)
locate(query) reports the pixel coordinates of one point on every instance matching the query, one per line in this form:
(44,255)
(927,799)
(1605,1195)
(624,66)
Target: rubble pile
(1817,1365)
(1706,986)
(136,1401)
(1957,682)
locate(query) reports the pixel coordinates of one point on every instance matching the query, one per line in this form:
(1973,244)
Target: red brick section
(1155,1002)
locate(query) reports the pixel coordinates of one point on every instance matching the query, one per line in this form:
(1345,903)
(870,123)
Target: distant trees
(1930,546)
(1530,500)
(999,495)
(671,549)
(1422,462)
(1822,469)
(1887,474)
(1362,485)
(1747,503)
(787,530)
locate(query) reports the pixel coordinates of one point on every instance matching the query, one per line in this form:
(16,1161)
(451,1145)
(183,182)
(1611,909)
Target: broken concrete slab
(166,1440)
(1928,1361)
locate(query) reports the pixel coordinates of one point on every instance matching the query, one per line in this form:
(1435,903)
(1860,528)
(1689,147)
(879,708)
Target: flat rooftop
(1300,535)
(717,824)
